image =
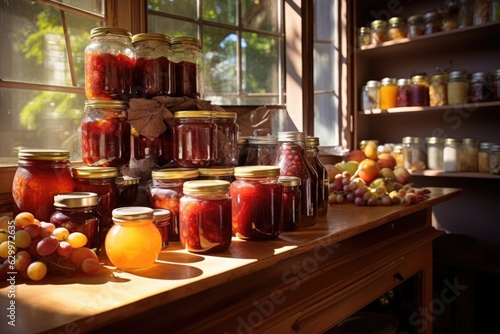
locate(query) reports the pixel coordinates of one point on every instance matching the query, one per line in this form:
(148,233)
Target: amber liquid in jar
(311,146)
(388,93)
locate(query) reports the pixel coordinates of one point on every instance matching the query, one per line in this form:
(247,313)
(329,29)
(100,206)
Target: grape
(360,191)
(32,248)
(336,186)
(350,197)
(64,249)
(47,246)
(386,200)
(47,229)
(22,260)
(4,222)
(372,201)
(90,266)
(22,239)
(24,219)
(332,199)
(4,235)
(340,198)
(78,255)
(33,230)
(60,233)
(359,201)
(37,270)
(4,249)
(338,178)
(77,239)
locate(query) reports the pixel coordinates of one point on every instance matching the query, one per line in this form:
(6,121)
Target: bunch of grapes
(33,249)
(347,189)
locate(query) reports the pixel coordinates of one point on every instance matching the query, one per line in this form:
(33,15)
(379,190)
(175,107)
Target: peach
(368,170)
(386,160)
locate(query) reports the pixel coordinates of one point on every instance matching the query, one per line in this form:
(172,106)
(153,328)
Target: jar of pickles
(388,93)
(323,184)
(227,138)
(291,202)
(416,26)
(397,28)
(480,88)
(105,134)
(419,90)
(364,36)
(162,219)
(469,151)
(257,202)
(109,64)
(188,67)
(205,223)
(432,22)
(438,90)
(458,88)
(403,94)
(379,32)
(261,150)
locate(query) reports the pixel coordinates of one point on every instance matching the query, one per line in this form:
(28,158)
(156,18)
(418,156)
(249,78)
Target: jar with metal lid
(388,93)
(165,190)
(468,155)
(416,26)
(242,150)
(397,153)
(372,98)
(41,174)
(379,32)
(162,220)
(227,138)
(403,95)
(483,157)
(419,90)
(451,154)
(105,134)
(144,147)
(364,36)
(412,152)
(77,212)
(432,22)
(188,66)
(480,88)
(495,159)
(291,202)
(195,138)
(323,184)
(133,242)
(128,190)
(458,88)
(435,146)
(438,90)
(481,13)
(216,173)
(496,85)
(109,64)
(205,222)
(465,13)
(257,202)
(397,28)
(449,15)
(261,150)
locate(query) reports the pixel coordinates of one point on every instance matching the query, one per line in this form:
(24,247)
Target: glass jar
(480,88)
(364,36)
(99,180)
(397,28)
(403,95)
(77,212)
(188,67)
(216,173)
(162,219)
(105,134)
(495,159)
(323,184)
(432,22)
(416,26)
(483,157)
(397,153)
(227,138)
(133,242)
(458,88)
(291,202)
(435,146)
(261,150)
(242,150)
(411,151)
(449,15)
(496,85)
(465,13)
(144,147)
(419,90)
(128,189)
(438,90)
(379,32)
(257,198)
(372,100)
(469,151)
(205,224)
(388,93)
(195,139)
(109,64)
(495,10)
(41,174)
(165,190)
(451,155)
(481,13)
(152,66)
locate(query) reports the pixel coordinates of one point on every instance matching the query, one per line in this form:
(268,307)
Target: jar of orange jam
(133,242)
(388,93)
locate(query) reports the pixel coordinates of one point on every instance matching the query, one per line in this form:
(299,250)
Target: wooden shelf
(441,173)
(469,107)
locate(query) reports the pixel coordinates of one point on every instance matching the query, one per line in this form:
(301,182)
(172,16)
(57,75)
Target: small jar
(257,203)
(480,88)
(242,150)
(496,85)
(483,157)
(416,26)
(195,139)
(465,13)
(105,134)
(435,146)
(458,88)
(323,184)
(495,159)
(133,242)
(41,174)
(205,224)
(188,67)
(373,95)
(109,64)
(144,147)
(397,28)
(364,36)
(403,95)
(481,13)
(261,150)
(438,90)
(162,220)
(379,32)
(77,212)
(449,14)
(388,93)
(128,190)
(227,138)
(216,173)
(397,153)
(411,151)
(291,202)
(468,155)
(419,91)
(451,155)
(432,22)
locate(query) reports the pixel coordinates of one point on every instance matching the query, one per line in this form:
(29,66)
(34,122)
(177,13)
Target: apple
(351,166)
(402,175)
(355,155)
(386,160)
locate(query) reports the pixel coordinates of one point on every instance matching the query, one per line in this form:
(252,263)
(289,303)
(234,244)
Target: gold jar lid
(103,104)
(76,199)
(364,30)
(205,187)
(451,141)
(434,140)
(102,31)
(312,141)
(131,213)
(43,154)
(185,40)
(216,171)
(194,114)
(150,37)
(175,173)
(289,181)
(378,24)
(256,171)
(127,180)
(258,140)
(419,78)
(415,19)
(470,141)
(89,172)
(224,114)
(291,136)
(439,77)
(411,140)
(396,20)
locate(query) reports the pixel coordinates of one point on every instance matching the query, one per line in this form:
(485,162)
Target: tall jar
(227,138)
(105,134)
(261,150)
(291,202)
(416,26)
(133,242)
(411,151)
(435,146)
(419,90)
(451,154)
(188,66)
(458,88)
(388,93)
(468,155)
(257,203)
(403,95)
(495,159)
(432,22)
(379,32)
(41,174)
(77,212)
(397,29)
(195,139)
(480,88)
(165,190)
(109,64)
(438,90)
(496,85)
(153,66)
(312,154)
(373,95)
(205,223)
(483,157)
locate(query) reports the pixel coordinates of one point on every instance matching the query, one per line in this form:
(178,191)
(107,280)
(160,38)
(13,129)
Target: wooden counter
(303,282)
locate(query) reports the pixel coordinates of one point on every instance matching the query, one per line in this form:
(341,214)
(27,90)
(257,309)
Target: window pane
(325,19)
(324,66)
(171,27)
(187,8)
(262,15)
(326,125)
(91,6)
(220,11)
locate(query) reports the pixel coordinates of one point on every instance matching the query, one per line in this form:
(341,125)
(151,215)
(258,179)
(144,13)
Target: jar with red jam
(144,147)
(257,203)
(162,221)
(312,154)
(188,66)
(227,138)
(291,202)
(194,139)
(261,150)
(105,134)
(128,190)
(77,212)
(205,216)
(165,190)
(153,66)
(419,90)
(403,92)
(109,64)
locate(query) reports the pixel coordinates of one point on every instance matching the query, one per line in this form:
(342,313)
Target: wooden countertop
(83,302)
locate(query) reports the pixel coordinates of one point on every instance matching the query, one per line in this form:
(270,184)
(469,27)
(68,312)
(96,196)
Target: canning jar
(257,202)
(41,174)
(388,93)
(495,159)
(194,138)
(109,64)
(364,36)
(397,28)
(372,100)
(379,31)
(435,146)
(128,190)
(133,242)
(495,10)
(419,90)
(227,138)
(483,157)
(144,147)
(291,202)
(162,219)
(449,15)
(77,212)
(188,66)
(205,224)
(480,88)
(416,26)
(412,151)
(468,155)
(152,66)
(261,150)
(165,190)
(465,13)
(451,155)
(458,88)
(323,184)
(432,22)
(216,173)
(481,13)
(403,95)
(242,150)
(397,153)
(496,85)
(438,90)
(105,134)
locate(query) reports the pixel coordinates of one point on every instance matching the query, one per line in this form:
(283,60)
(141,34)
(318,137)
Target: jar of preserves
(188,67)
(458,88)
(372,100)
(480,88)
(216,173)
(449,15)
(397,28)
(291,202)
(397,153)
(77,212)
(227,138)
(205,223)
(109,64)
(133,242)
(261,150)
(152,66)
(323,185)
(403,95)
(481,13)
(128,190)
(483,157)
(435,146)
(416,26)
(165,190)
(419,90)
(432,22)
(438,90)
(242,150)
(379,32)
(412,151)
(144,147)
(469,151)
(162,219)
(105,134)
(495,159)
(388,93)
(41,174)
(364,36)
(465,12)
(257,202)
(195,139)
(496,85)
(451,155)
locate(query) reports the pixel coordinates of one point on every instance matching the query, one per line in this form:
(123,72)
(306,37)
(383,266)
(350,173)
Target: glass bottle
(41,174)
(291,202)
(483,157)
(403,95)
(451,155)
(468,155)
(397,28)
(435,146)
(438,90)
(458,88)
(411,151)
(105,134)
(188,67)
(205,224)
(419,90)
(379,32)
(227,138)
(388,93)
(109,64)
(416,26)
(364,36)
(261,150)
(432,22)
(312,154)
(162,220)
(465,13)
(480,88)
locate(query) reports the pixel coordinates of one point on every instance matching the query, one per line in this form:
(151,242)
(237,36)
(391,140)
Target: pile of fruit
(33,249)
(366,177)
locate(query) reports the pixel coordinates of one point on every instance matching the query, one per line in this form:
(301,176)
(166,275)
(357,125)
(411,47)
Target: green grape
(22,239)
(61,233)
(4,249)
(37,270)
